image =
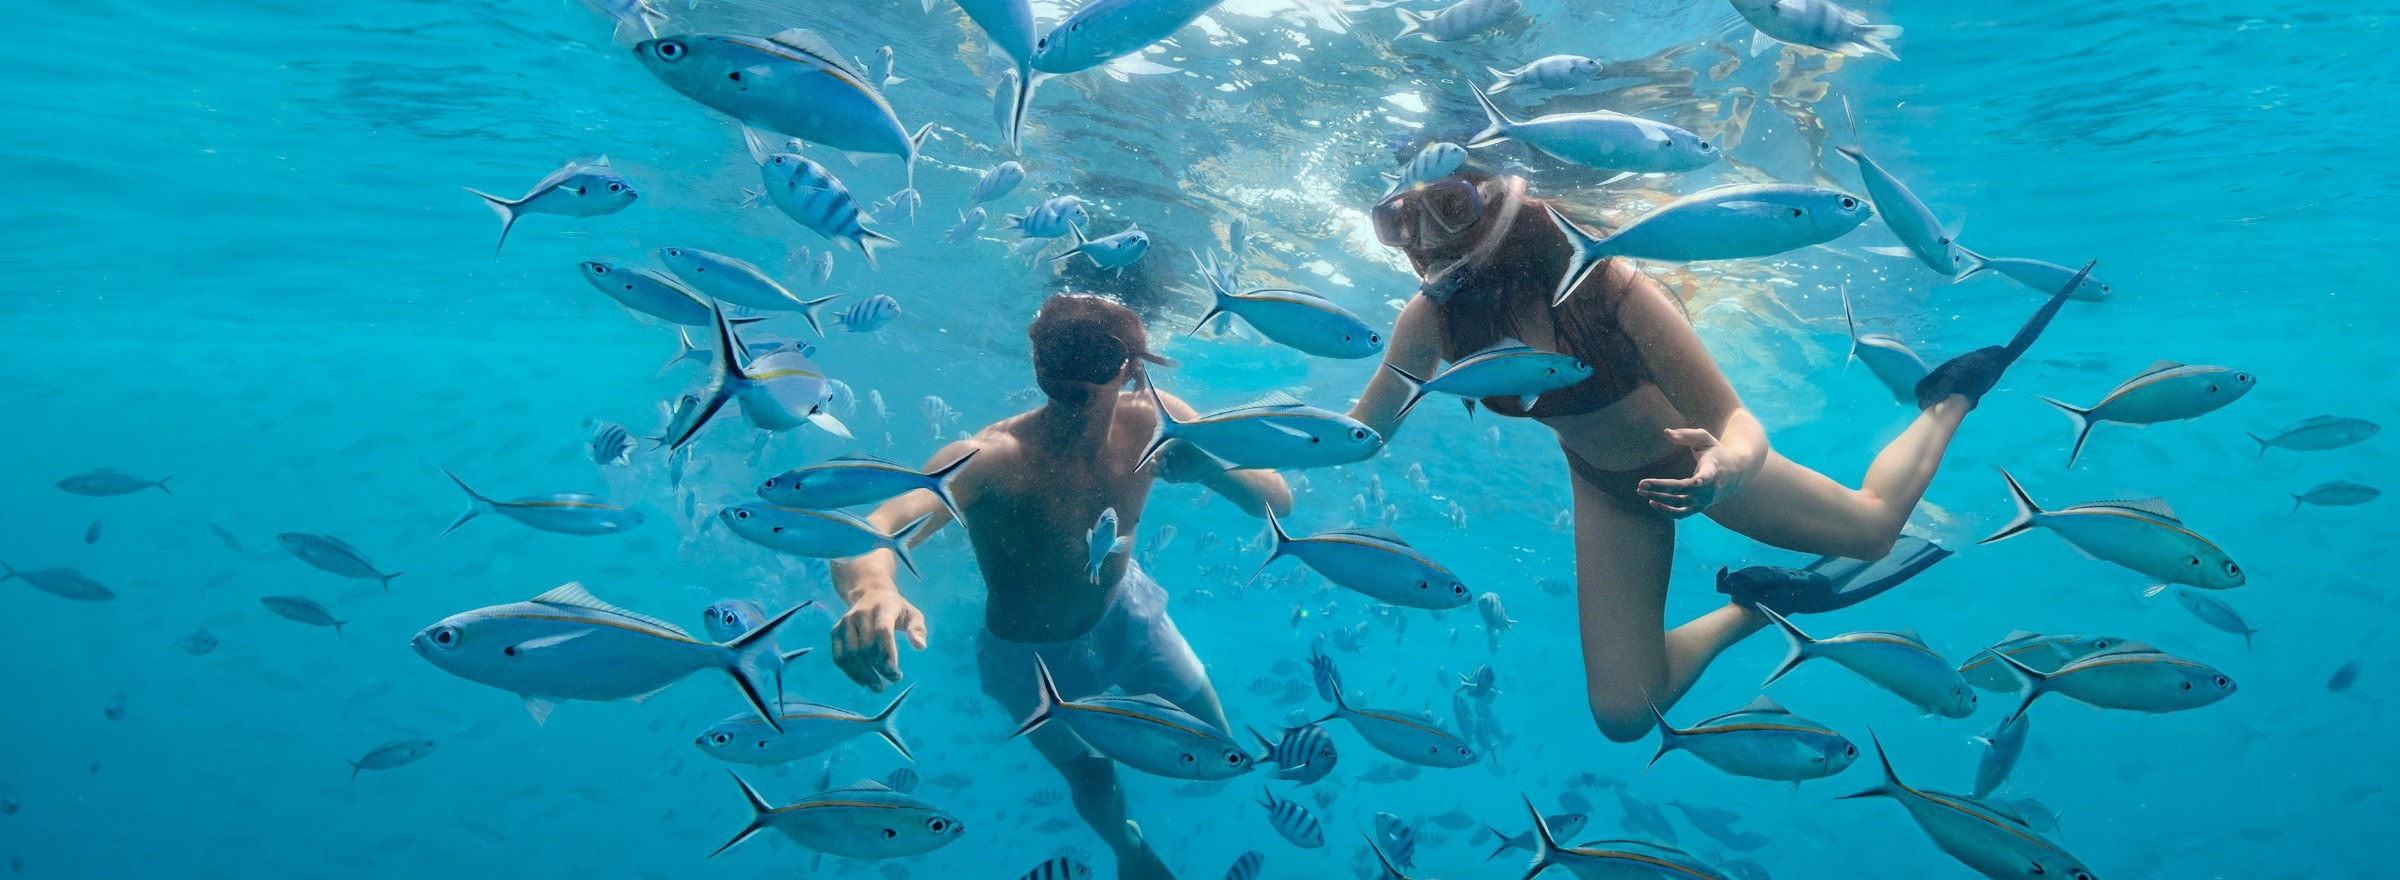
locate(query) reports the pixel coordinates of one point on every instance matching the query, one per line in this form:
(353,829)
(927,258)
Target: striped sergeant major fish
(1989,837)
(1060,868)
(1291,820)
(566,644)
(868,315)
(1304,755)
(565,513)
(809,194)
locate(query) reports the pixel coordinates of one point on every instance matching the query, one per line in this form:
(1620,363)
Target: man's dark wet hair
(1084,343)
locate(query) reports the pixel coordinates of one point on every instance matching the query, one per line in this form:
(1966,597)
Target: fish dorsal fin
(2154,506)
(818,49)
(1154,701)
(1910,634)
(1273,398)
(572,594)
(863,785)
(1379,533)
(2019,634)
(1764,703)
(2160,366)
(601,162)
(863,456)
(2121,650)
(2000,808)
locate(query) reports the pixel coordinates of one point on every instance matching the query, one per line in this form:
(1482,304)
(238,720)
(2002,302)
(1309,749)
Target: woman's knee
(1621,720)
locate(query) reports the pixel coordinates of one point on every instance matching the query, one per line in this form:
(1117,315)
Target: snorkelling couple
(1655,434)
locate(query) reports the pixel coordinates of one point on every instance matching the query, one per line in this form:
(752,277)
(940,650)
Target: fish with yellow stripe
(778,391)
(2165,391)
(2138,679)
(1611,859)
(566,513)
(2042,652)
(1762,740)
(2143,534)
(1374,561)
(1899,662)
(862,820)
(1990,837)
(1140,731)
(566,644)
(1413,738)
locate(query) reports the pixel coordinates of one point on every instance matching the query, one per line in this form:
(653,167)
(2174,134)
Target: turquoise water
(241,258)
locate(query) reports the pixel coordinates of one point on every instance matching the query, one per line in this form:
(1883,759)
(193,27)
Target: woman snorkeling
(1655,434)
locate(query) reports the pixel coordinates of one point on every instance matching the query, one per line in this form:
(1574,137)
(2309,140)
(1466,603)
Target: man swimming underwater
(1037,483)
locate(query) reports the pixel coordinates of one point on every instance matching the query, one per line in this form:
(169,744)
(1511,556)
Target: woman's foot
(1831,583)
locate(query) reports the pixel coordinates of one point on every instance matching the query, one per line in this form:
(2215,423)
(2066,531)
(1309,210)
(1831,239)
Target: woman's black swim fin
(1973,374)
(1831,583)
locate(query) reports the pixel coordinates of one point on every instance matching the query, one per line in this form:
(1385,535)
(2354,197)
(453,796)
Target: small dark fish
(1397,839)
(91,533)
(611,445)
(1056,824)
(1454,820)
(2318,433)
(893,871)
(115,710)
(1045,797)
(1329,679)
(1305,754)
(2338,493)
(1060,868)
(902,780)
(332,556)
(303,610)
(200,642)
(1644,817)
(2343,678)
(1245,867)
(951,781)
(226,538)
(217,580)
(1574,802)
(65,583)
(397,753)
(110,481)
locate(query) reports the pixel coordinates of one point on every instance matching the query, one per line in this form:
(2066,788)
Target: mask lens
(1449,208)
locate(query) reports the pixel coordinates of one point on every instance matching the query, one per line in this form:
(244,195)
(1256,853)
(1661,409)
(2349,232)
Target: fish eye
(616,187)
(937,825)
(1235,759)
(2212,388)
(890,833)
(2222,681)
(599,268)
(1850,750)
(1704,145)
(2241,378)
(1375,339)
(1358,434)
(721,739)
(668,50)
(446,636)
(1462,752)
(2232,569)
(736,76)
(1189,758)
(1848,202)
(675,252)
(2185,685)
(2191,560)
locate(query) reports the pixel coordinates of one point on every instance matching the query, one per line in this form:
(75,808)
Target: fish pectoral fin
(539,707)
(639,698)
(520,649)
(1760,43)
(1891,251)
(1291,431)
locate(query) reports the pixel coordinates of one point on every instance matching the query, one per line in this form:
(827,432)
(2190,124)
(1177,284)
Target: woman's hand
(1720,471)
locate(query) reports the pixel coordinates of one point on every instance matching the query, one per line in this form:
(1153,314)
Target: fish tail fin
(2036,683)
(1167,425)
(1506,843)
(1545,846)
(1891,785)
(1497,124)
(162,485)
(900,541)
(808,312)
(1047,698)
(1850,320)
(1080,241)
(1264,743)
(476,503)
(1668,736)
(729,368)
(2262,443)
(7,571)
(387,579)
(354,768)
(1974,265)
(2298,500)
(1416,392)
(1389,870)
(2083,426)
(750,651)
(1589,252)
(2027,511)
(1411,22)
(870,241)
(1218,295)
(1793,656)
(1878,39)
(908,195)
(1277,541)
(1018,103)
(505,208)
(941,484)
(1503,81)
(759,811)
(883,723)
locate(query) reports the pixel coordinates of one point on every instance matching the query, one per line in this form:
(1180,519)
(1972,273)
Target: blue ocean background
(240,257)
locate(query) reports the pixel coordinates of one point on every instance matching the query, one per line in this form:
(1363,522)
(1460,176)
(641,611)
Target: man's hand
(865,641)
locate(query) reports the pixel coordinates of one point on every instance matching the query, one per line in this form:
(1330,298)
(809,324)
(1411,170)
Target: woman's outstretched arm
(1416,347)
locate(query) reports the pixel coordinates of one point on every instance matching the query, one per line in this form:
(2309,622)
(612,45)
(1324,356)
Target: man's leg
(1006,670)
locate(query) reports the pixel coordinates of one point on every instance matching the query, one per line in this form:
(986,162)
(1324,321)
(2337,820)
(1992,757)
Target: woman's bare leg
(1790,506)
(1630,659)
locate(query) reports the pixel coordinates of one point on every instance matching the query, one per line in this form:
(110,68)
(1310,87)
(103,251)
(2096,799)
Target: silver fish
(1104,542)
(740,282)
(1050,219)
(2038,651)
(612,445)
(777,391)
(1373,561)
(2154,682)
(868,315)
(1111,252)
(1921,235)
(332,556)
(2048,278)
(1414,739)
(819,534)
(969,222)
(808,729)
(397,753)
(2336,493)
(1294,317)
(1274,432)
(565,513)
(1762,740)
(1991,838)
(566,644)
(2143,534)
(1456,21)
(887,80)
(997,183)
(1817,24)
(109,481)
(1140,731)
(200,642)
(1731,222)
(65,583)
(630,15)
(1613,858)
(863,820)
(857,478)
(1436,161)
(1893,364)
(2165,391)
(1565,825)
(2313,434)
(647,292)
(1104,30)
(1898,662)
(1552,72)
(2216,613)
(1506,368)
(302,609)
(1602,139)
(794,82)
(2001,748)
(579,189)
